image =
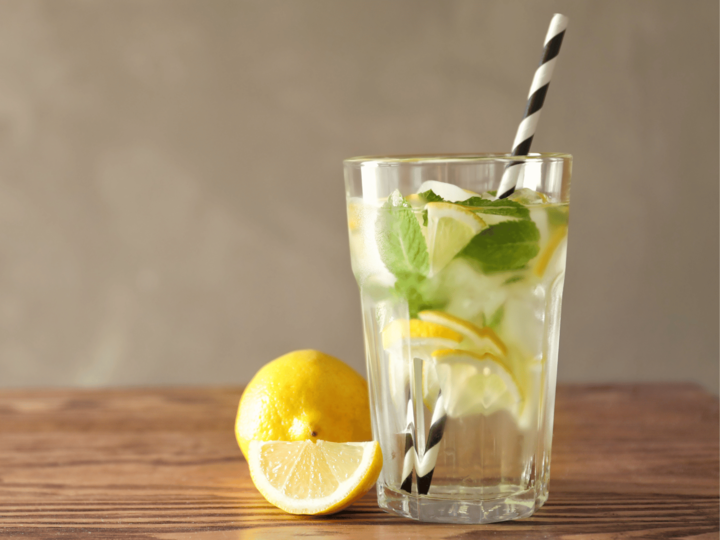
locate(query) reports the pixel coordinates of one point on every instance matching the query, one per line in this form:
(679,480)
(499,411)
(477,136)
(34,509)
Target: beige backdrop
(171,197)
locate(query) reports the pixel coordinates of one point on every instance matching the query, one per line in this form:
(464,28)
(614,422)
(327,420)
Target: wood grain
(629,461)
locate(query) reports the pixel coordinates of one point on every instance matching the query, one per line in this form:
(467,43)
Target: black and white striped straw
(426,467)
(533,108)
(410,454)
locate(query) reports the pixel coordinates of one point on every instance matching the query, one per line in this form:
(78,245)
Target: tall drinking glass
(461,298)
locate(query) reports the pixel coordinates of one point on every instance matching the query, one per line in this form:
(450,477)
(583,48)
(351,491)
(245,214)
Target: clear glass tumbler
(461,298)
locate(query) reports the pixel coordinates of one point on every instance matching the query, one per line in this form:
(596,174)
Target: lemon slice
(421,339)
(471,384)
(550,248)
(480,340)
(450,228)
(420,333)
(313,478)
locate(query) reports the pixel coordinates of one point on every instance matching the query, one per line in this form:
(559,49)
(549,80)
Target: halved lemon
(479,340)
(307,477)
(470,383)
(450,228)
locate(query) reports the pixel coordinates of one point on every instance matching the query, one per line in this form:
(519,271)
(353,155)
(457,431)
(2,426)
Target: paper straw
(415,418)
(533,108)
(410,455)
(426,467)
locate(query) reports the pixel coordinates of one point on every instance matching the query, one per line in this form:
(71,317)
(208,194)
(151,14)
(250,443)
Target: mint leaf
(430,196)
(502,207)
(513,279)
(508,245)
(400,240)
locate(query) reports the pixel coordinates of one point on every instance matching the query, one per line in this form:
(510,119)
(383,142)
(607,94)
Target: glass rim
(420,159)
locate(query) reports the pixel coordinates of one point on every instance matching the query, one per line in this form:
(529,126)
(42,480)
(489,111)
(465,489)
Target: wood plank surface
(629,461)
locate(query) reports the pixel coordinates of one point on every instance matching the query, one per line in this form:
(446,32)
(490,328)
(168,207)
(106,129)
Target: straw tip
(560,19)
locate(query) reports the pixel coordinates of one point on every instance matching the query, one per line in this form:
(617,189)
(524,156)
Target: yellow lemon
(314,478)
(304,395)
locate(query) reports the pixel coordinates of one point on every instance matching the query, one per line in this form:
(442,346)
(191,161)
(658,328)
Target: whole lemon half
(304,395)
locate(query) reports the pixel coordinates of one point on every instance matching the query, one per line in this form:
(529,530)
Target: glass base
(432,509)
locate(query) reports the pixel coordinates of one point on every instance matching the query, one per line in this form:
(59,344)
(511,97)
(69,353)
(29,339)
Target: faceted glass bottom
(431,509)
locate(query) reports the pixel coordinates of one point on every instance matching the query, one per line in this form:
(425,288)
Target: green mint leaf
(502,207)
(430,196)
(425,218)
(508,245)
(513,279)
(400,240)
(496,318)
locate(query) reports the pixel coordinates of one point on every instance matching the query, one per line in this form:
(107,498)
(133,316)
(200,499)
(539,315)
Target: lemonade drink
(461,297)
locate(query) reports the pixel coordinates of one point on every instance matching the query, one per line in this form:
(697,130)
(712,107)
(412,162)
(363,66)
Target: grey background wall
(171,199)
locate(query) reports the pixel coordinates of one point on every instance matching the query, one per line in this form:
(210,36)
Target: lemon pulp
(313,478)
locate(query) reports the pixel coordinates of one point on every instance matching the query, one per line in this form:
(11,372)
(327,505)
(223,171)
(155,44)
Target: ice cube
(524,319)
(472,295)
(449,192)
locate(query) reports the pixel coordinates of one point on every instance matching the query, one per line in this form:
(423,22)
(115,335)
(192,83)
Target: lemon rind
(467,329)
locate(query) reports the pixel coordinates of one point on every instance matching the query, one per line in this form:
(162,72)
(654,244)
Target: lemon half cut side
(313,478)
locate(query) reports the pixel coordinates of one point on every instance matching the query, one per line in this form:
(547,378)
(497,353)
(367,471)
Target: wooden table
(629,461)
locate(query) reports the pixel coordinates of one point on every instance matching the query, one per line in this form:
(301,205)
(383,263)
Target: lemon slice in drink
(305,477)
(550,248)
(419,333)
(450,228)
(479,340)
(418,339)
(471,384)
